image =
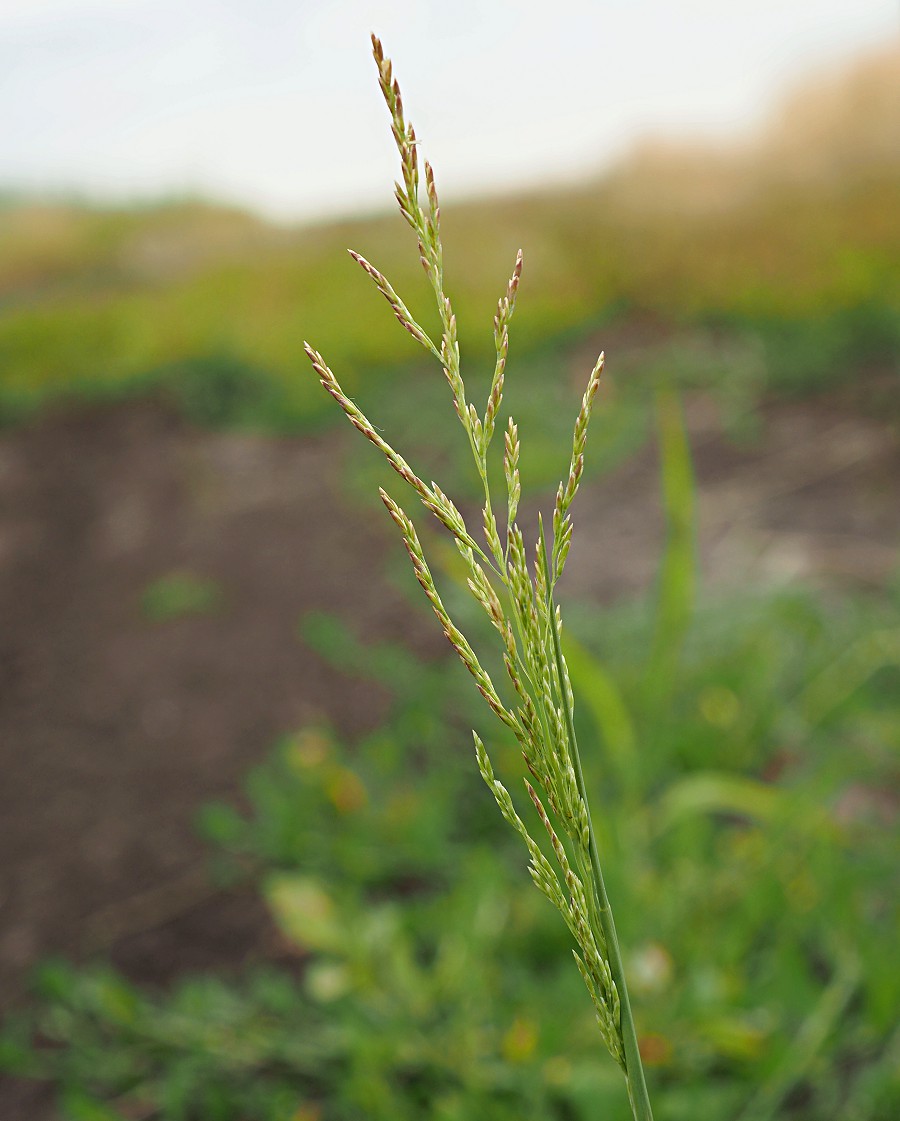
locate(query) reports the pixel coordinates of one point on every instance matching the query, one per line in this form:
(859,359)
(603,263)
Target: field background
(194,569)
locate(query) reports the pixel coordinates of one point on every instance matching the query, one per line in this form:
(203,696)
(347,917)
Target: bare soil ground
(115,729)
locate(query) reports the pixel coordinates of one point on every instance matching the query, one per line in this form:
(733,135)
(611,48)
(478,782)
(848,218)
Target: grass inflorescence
(518,599)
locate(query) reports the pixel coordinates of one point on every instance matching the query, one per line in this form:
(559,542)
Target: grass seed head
(522,611)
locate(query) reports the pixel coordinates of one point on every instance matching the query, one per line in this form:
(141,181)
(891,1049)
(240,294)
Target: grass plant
(519,602)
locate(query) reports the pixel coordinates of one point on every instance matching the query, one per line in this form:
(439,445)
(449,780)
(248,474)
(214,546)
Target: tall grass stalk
(519,602)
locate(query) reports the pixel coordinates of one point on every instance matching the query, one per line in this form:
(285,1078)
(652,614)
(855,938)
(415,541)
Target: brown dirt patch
(114,729)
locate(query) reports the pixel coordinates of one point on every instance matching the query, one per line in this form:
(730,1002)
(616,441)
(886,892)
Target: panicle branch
(455,637)
(432,497)
(362,424)
(398,307)
(505,308)
(562,526)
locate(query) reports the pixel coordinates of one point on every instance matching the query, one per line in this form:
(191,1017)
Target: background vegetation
(785,252)
(744,758)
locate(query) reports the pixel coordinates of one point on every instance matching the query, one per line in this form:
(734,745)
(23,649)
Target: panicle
(518,602)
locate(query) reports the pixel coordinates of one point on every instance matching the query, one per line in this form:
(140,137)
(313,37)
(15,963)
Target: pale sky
(274,103)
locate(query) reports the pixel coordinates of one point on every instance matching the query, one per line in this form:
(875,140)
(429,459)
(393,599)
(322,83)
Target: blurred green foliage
(749,828)
(105,302)
(180,594)
(742,780)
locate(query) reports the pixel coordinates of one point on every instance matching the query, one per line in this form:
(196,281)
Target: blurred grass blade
(715,792)
(678,572)
(598,692)
(847,673)
(809,1040)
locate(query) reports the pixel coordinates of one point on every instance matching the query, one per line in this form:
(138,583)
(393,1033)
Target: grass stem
(634,1068)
